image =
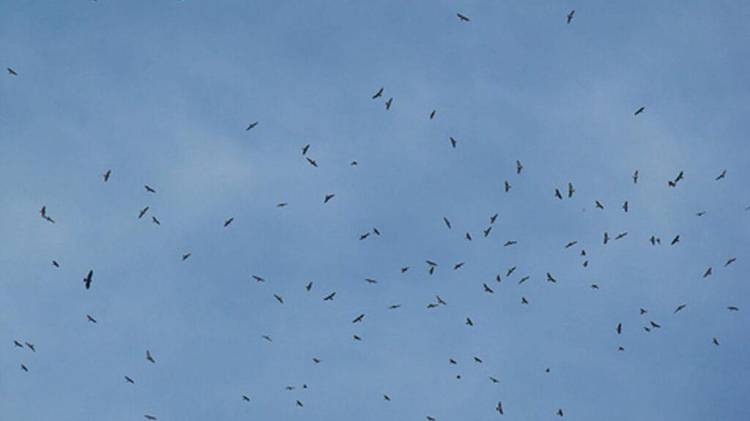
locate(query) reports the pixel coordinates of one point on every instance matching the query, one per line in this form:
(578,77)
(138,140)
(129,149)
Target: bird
(386,397)
(30,346)
(635,177)
(571,190)
(458,265)
(510,243)
(266,337)
(328,197)
(510,271)
(654,324)
(282,204)
(87,280)
(447,222)
(621,235)
(378,94)
(679,308)
(251,125)
(488,289)
(312,162)
(715,341)
(24,368)
(432,114)
(358,318)
(469,322)
(228,221)
(149,358)
(463,18)
(639,110)
(569,17)
(599,204)
(12,72)
(560,412)
(363,236)
(675,240)
(388,103)
(356,338)
(499,407)
(305,148)
(186,256)
(493,218)
(155,221)
(606,238)
(625,206)
(316,360)
(722,175)
(149,188)
(278,298)
(440,300)
(394,306)
(258,278)
(733,308)
(708,272)
(106,175)
(246,398)
(487,231)
(507,186)
(730,261)
(468,236)
(91,319)
(453,141)
(571,244)
(524,300)
(519,167)
(142,212)
(55,264)
(149,417)
(129,380)
(557,194)
(17,344)
(478,360)
(309,286)
(551,278)
(375,231)
(619,328)
(371,281)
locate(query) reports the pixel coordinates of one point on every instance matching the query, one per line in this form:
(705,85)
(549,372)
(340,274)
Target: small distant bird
(468,236)
(675,240)
(477,360)
(356,338)
(388,103)
(55,264)
(309,286)
(599,205)
(129,380)
(328,197)
(507,186)
(447,222)
(404,269)
(386,397)
(312,162)
(469,322)
(462,18)
(519,167)
(715,341)
(251,125)
(91,319)
(722,175)
(488,289)
(570,15)
(560,412)
(245,398)
(353,163)
(142,212)
(24,368)
(87,280)
(316,360)
(18,344)
(149,188)
(733,308)
(625,206)
(378,94)
(494,380)
(106,175)
(654,324)
(551,278)
(510,271)
(258,278)
(571,244)
(375,231)
(149,357)
(266,337)
(499,407)
(281,204)
(643,311)
(606,238)
(358,318)
(458,265)
(730,261)
(186,256)
(571,190)
(621,235)
(440,300)
(155,221)
(228,221)
(635,177)
(679,308)
(639,110)
(510,243)
(493,218)
(30,346)
(453,141)
(619,328)
(363,236)
(149,417)
(700,213)
(524,300)
(278,298)
(371,281)
(432,114)
(487,231)
(708,272)
(12,72)
(394,306)
(558,194)
(305,148)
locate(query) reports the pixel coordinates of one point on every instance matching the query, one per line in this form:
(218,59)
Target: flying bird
(186,256)
(358,318)
(378,94)
(499,407)
(432,114)
(388,103)
(91,319)
(462,18)
(129,380)
(453,141)
(305,148)
(149,188)
(447,222)
(106,175)
(635,177)
(149,357)
(12,72)
(228,221)
(328,197)
(251,125)
(142,212)
(639,110)
(722,175)
(679,308)
(569,17)
(87,280)
(278,298)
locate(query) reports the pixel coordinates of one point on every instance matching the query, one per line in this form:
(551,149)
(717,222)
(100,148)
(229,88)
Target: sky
(161,93)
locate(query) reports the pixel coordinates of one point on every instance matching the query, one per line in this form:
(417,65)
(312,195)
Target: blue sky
(161,93)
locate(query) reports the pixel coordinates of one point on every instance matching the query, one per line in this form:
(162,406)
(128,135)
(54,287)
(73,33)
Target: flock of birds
(431,266)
